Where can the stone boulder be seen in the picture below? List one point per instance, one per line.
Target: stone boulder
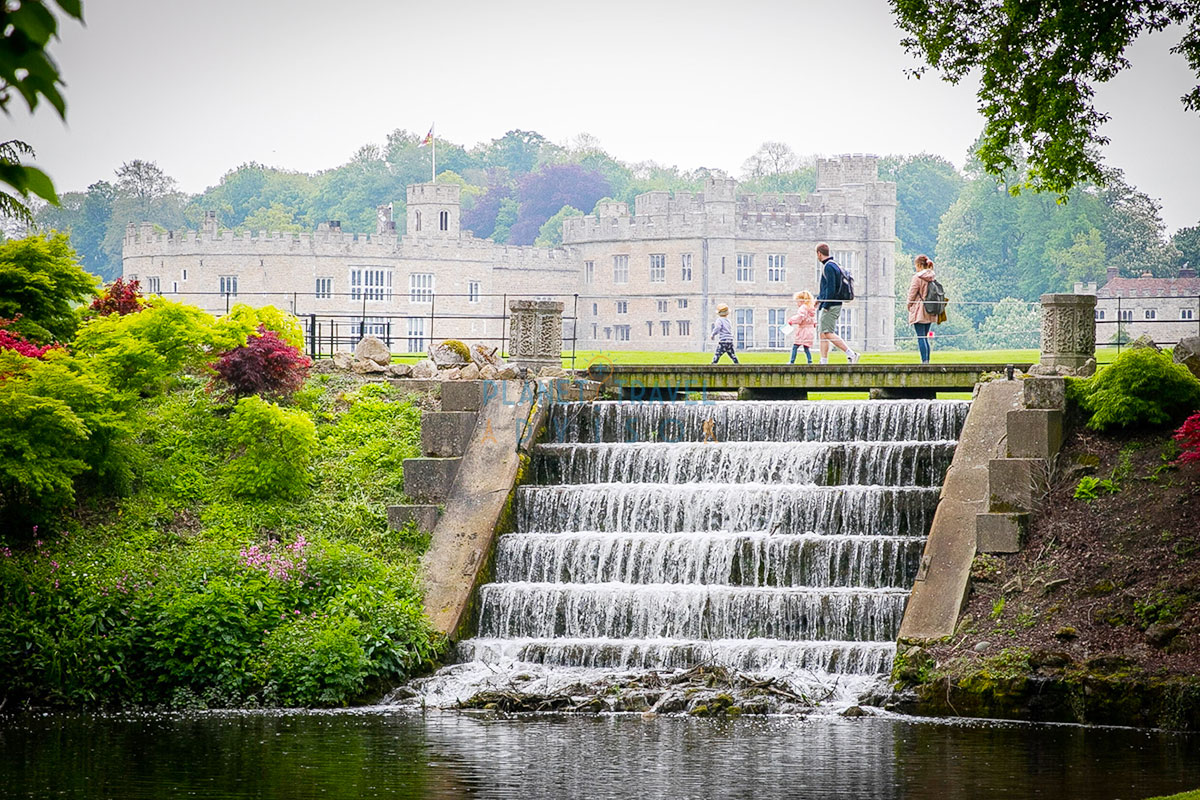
(424, 369)
(483, 355)
(488, 372)
(445, 355)
(1187, 352)
(1143, 341)
(552, 372)
(343, 360)
(399, 370)
(366, 366)
(451, 374)
(508, 373)
(469, 373)
(372, 347)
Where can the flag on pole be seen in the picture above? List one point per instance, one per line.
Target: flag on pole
(428, 138)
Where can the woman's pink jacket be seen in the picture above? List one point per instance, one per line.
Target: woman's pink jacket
(916, 298)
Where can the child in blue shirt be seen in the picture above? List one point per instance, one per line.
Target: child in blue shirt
(722, 331)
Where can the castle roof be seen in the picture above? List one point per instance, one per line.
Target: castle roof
(1150, 287)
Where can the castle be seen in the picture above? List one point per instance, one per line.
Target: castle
(649, 280)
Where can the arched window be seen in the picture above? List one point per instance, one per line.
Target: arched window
(418, 219)
(444, 220)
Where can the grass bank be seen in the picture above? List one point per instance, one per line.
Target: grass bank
(183, 594)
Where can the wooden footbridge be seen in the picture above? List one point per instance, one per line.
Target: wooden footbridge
(785, 381)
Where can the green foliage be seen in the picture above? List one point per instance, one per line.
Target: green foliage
(1090, 487)
(42, 283)
(550, 234)
(273, 450)
(1142, 388)
(57, 423)
(926, 185)
(187, 596)
(144, 352)
(1039, 65)
(233, 329)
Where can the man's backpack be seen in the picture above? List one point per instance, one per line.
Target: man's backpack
(935, 298)
(844, 291)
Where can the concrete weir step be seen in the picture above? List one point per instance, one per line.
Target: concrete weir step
(430, 479)
(445, 434)
(425, 516)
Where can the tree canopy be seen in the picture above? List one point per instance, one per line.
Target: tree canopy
(42, 283)
(1039, 64)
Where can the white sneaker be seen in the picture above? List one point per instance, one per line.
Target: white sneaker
(823, 361)
(853, 357)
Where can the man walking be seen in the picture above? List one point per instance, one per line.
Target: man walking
(830, 306)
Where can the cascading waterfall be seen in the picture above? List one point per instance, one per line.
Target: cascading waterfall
(772, 538)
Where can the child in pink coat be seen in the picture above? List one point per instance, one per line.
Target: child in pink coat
(805, 322)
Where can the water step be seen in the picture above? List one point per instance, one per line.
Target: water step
(875, 420)
(825, 463)
(755, 655)
(720, 558)
(640, 611)
(786, 508)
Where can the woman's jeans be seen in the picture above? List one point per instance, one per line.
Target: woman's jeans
(796, 349)
(922, 329)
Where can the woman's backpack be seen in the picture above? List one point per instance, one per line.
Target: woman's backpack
(935, 298)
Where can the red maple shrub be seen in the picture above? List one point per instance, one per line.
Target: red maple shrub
(265, 365)
(18, 343)
(1188, 437)
(119, 297)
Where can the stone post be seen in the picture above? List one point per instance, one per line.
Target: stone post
(535, 334)
(1068, 335)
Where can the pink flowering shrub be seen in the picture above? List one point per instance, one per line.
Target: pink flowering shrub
(18, 343)
(282, 564)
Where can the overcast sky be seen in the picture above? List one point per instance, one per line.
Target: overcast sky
(300, 84)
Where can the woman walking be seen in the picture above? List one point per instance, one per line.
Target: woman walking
(805, 323)
(918, 317)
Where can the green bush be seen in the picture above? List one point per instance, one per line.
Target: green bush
(41, 281)
(274, 449)
(56, 424)
(236, 327)
(1142, 388)
(315, 660)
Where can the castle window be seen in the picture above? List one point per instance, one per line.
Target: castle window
(154, 284)
(681, 303)
(174, 287)
(658, 267)
(666, 327)
(472, 291)
(420, 287)
(1187, 313)
(370, 284)
(417, 219)
(684, 326)
(607, 332)
(589, 271)
(1126, 315)
(620, 269)
(744, 318)
(185, 275)
(1099, 313)
(227, 283)
(776, 321)
(845, 325)
(595, 309)
(595, 329)
(416, 334)
(443, 220)
(649, 328)
(745, 267)
(373, 326)
(622, 306)
(662, 306)
(776, 271)
(1151, 313)
(685, 271)
(324, 288)
(622, 332)
(846, 259)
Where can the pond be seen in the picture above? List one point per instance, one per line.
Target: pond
(382, 752)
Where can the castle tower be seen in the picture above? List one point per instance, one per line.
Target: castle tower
(434, 210)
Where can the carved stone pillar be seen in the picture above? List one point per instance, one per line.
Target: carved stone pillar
(1068, 335)
(535, 333)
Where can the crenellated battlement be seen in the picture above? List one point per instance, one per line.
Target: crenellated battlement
(847, 169)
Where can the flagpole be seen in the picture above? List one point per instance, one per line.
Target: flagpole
(433, 152)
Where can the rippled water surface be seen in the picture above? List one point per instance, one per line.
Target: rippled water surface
(380, 753)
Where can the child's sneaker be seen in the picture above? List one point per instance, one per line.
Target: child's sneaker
(853, 357)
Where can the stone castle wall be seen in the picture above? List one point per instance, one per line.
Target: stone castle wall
(314, 273)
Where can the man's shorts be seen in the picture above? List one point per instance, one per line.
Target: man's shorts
(829, 318)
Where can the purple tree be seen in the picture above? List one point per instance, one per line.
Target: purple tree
(541, 194)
